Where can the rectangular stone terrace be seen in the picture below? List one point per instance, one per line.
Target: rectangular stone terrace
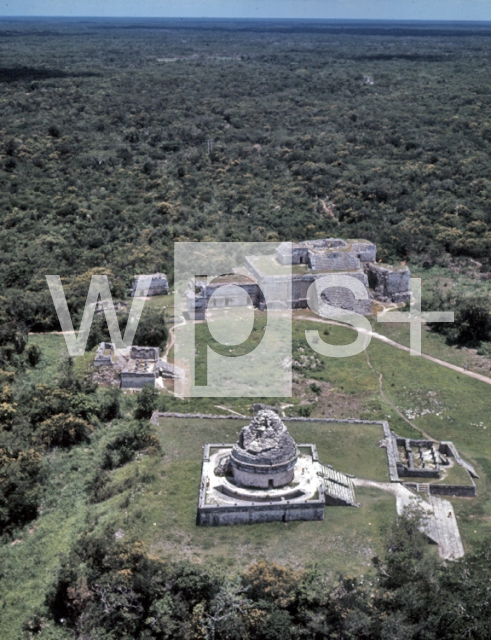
(222, 503)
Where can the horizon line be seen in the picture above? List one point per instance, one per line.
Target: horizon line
(261, 19)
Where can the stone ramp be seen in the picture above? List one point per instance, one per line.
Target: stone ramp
(437, 524)
(444, 530)
(338, 487)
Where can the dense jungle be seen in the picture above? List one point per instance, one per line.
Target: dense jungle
(120, 138)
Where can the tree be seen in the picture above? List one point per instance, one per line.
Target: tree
(132, 437)
(110, 405)
(229, 604)
(473, 321)
(33, 354)
(151, 330)
(146, 403)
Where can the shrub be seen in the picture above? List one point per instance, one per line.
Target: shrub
(54, 132)
(132, 437)
(304, 410)
(110, 405)
(33, 354)
(64, 430)
(151, 331)
(19, 489)
(315, 388)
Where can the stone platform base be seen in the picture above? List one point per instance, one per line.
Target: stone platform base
(221, 502)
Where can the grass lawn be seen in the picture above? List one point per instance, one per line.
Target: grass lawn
(454, 475)
(53, 352)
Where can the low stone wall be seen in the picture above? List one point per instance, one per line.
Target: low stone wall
(136, 380)
(465, 491)
(216, 516)
(203, 416)
(447, 447)
(462, 491)
(391, 447)
(406, 472)
(207, 416)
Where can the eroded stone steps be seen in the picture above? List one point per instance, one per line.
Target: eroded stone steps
(338, 486)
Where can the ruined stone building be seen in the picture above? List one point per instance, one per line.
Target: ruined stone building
(104, 354)
(284, 279)
(141, 368)
(137, 366)
(266, 477)
(158, 285)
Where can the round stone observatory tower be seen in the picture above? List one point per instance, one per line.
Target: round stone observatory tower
(265, 453)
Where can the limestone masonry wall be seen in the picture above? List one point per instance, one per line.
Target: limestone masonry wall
(213, 516)
(389, 285)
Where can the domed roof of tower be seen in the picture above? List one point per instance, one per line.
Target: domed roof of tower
(265, 440)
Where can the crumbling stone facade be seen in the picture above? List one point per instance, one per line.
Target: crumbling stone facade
(389, 285)
(265, 454)
(233, 290)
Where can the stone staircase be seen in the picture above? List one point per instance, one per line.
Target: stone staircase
(342, 298)
(338, 487)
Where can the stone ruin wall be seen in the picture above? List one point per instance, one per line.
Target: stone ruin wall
(366, 251)
(333, 261)
(100, 358)
(237, 299)
(144, 353)
(131, 378)
(358, 262)
(389, 285)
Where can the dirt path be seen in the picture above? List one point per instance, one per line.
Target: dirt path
(172, 339)
(382, 338)
(389, 402)
(219, 406)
